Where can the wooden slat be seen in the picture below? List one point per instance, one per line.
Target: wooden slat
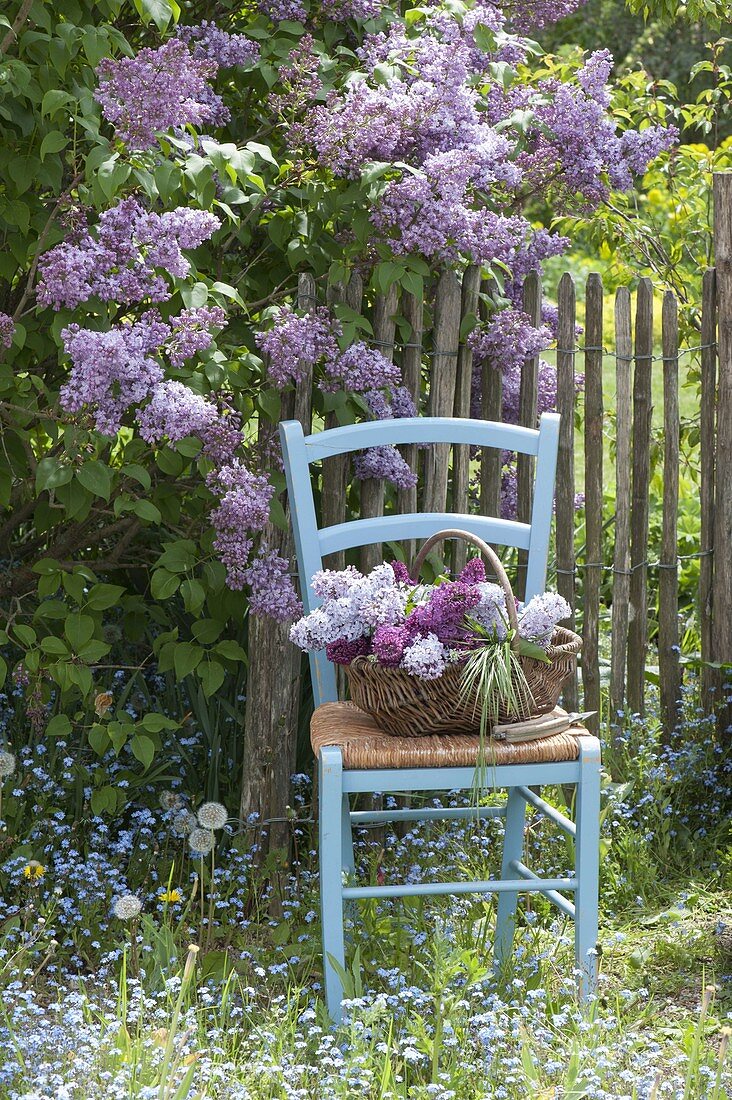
(593, 496)
(642, 412)
(491, 401)
(372, 490)
(443, 376)
(722, 576)
(413, 313)
(461, 453)
(565, 494)
(669, 668)
(707, 427)
(621, 555)
(528, 415)
(273, 679)
(335, 470)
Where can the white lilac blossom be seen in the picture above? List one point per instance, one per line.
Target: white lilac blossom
(490, 612)
(426, 657)
(7, 763)
(127, 907)
(201, 841)
(538, 618)
(212, 815)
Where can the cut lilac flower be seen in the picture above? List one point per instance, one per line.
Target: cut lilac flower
(389, 643)
(540, 616)
(426, 657)
(342, 651)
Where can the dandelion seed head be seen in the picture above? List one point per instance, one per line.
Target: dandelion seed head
(7, 763)
(201, 841)
(127, 907)
(212, 815)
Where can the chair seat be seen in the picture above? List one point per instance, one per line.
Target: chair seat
(365, 746)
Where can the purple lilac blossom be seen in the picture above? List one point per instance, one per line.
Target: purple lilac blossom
(401, 573)
(175, 412)
(445, 611)
(426, 658)
(243, 508)
(343, 651)
(300, 78)
(119, 264)
(209, 41)
(296, 342)
(281, 10)
(272, 592)
(389, 643)
(156, 90)
(526, 15)
(473, 572)
(338, 11)
(538, 618)
(114, 370)
(191, 332)
(508, 339)
(385, 463)
(7, 328)
(360, 368)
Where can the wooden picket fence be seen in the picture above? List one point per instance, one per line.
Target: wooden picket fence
(615, 657)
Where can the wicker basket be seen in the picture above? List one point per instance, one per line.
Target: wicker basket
(406, 706)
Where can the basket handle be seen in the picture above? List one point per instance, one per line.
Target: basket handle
(492, 558)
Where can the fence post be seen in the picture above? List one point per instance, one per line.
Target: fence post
(722, 585)
(463, 387)
(621, 553)
(372, 489)
(565, 514)
(273, 680)
(443, 375)
(413, 313)
(335, 470)
(669, 668)
(491, 401)
(528, 402)
(593, 497)
(707, 430)
(642, 411)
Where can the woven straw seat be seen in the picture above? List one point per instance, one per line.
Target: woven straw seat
(364, 746)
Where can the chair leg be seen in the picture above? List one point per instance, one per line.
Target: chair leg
(587, 867)
(347, 837)
(513, 847)
(331, 875)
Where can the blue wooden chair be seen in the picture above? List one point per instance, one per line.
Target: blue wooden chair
(352, 752)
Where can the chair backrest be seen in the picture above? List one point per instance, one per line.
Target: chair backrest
(313, 544)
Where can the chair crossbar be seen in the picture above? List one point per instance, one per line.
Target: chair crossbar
(490, 886)
(551, 812)
(425, 813)
(422, 429)
(488, 778)
(561, 902)
(421, 525)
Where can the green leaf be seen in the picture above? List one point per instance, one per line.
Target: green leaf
(207, 630)
(163, 584)
(159, 12)
(59, 726)
(143, 749)
(104, 800)
(81, 676)
(154, 722)
(531, 649)
(53, 142)
(211, 675)
(194, 595)
(79, 629)
(50, 474)
(186, 658)
(3, 670)
(96, 477)
(54, 647)
(26, 635)
(178, 556)
(103, 596)
(51, 102)
(147, 511)
(231, 650)
(99, 739)
(93, 651)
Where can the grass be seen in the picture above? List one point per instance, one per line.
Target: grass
(427, 1018)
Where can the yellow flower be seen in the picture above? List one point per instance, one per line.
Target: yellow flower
(170, 896)
(34, 870)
